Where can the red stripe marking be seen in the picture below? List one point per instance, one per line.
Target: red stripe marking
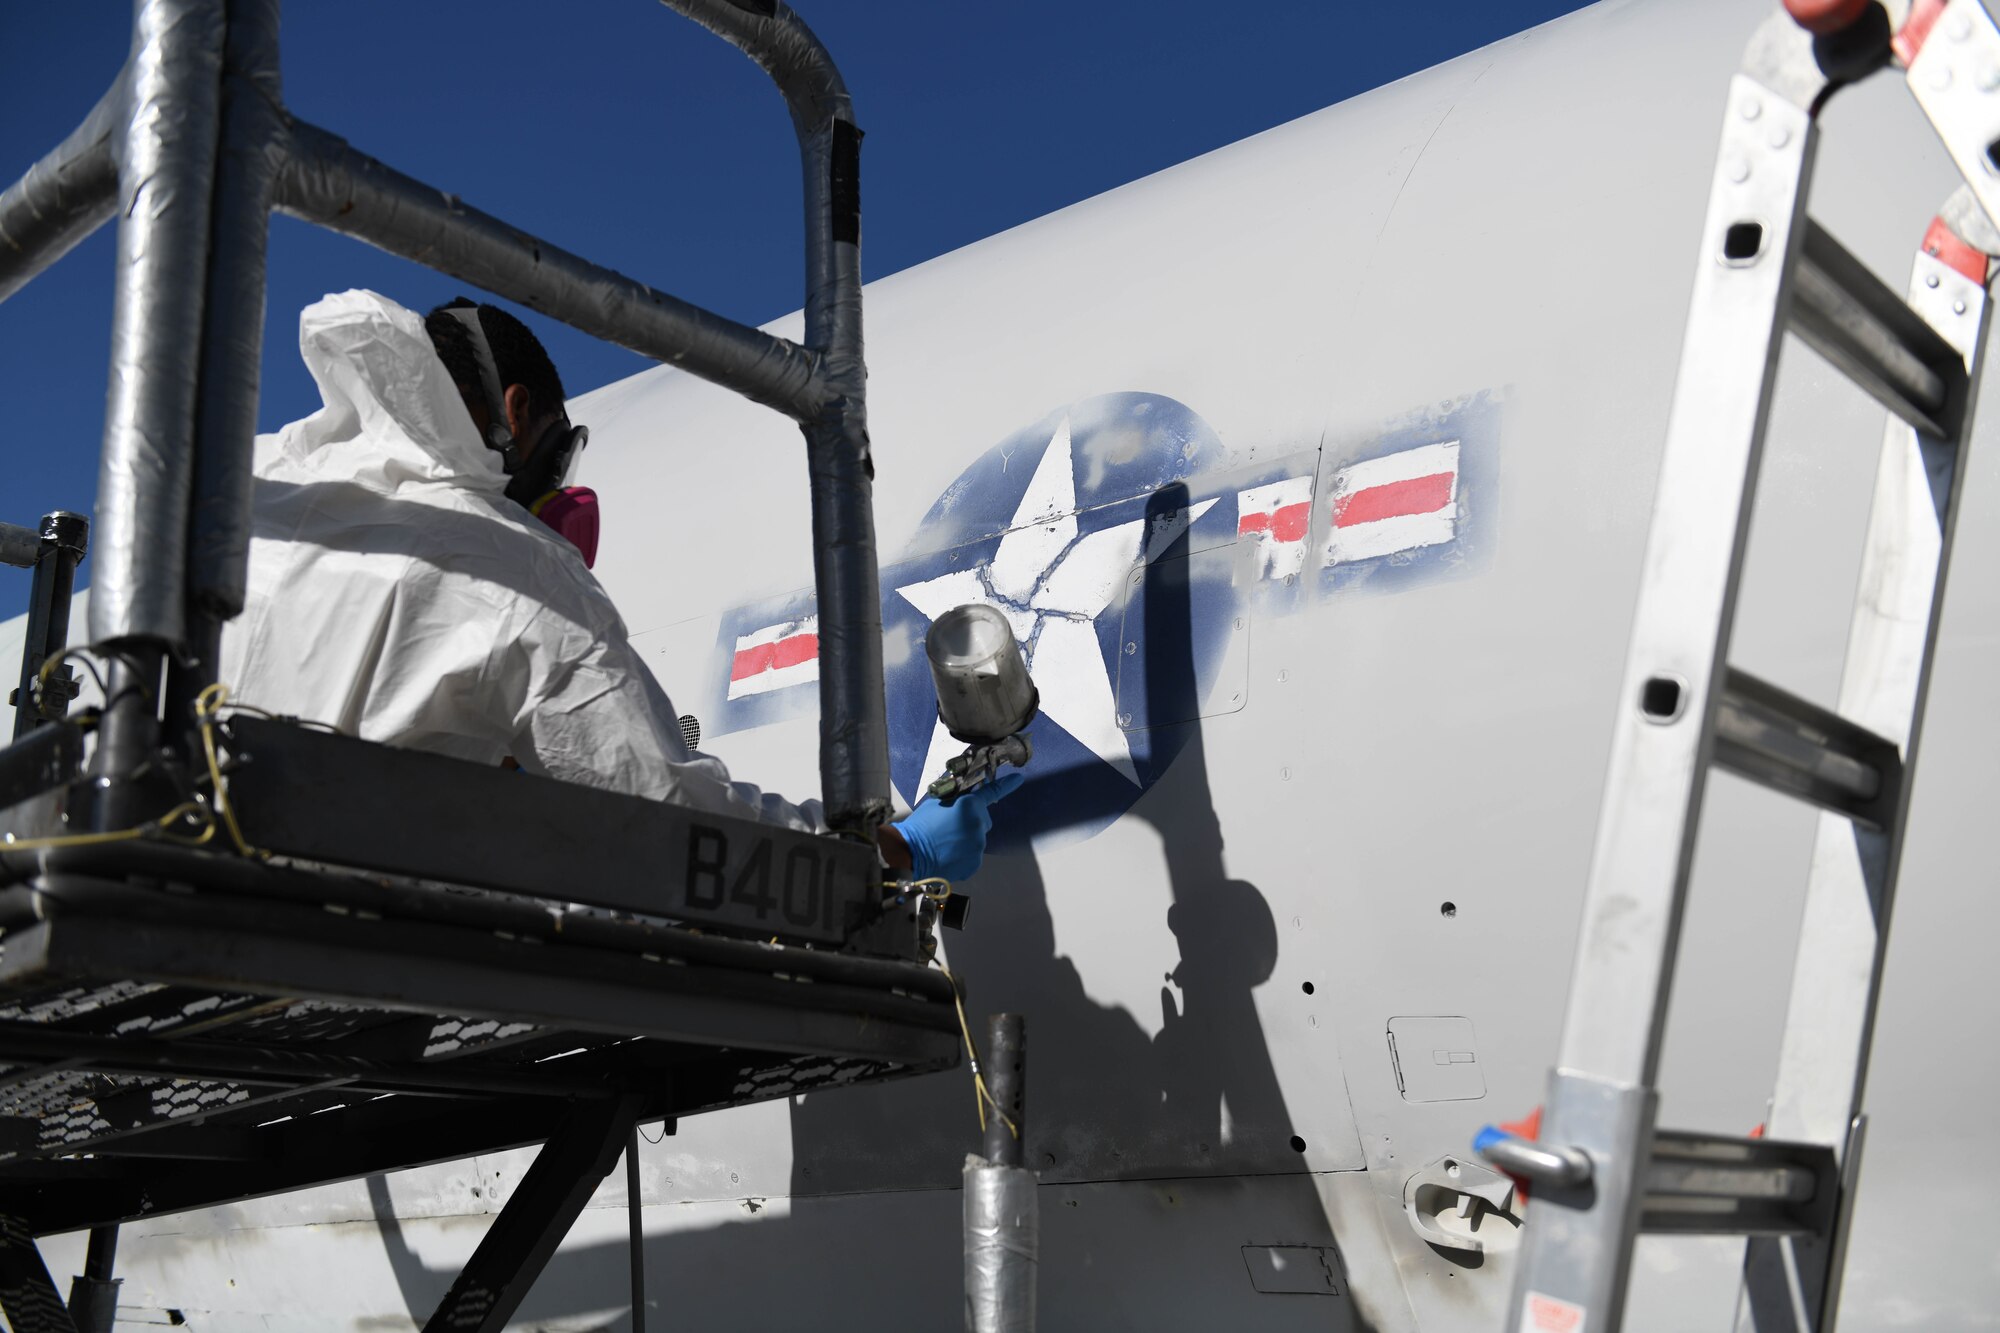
(1414, 495)
(752, 661)
(790, 652)
(774, 656)
(1288, 524)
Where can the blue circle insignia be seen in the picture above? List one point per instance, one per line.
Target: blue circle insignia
(1078, 529)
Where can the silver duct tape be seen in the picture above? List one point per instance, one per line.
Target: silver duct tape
(251, 153)
(19, 546)
(855, 777)
(854, 733)
(1002, 1240)
(62, 198)
(833, 266)
(786, 48)
(165, 185)
(327, 182)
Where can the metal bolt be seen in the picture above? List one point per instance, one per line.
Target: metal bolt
(1752, 108)
(1959, 28)
(1312, 1020)
(1930, 280)
(1941, 78)
(1290, 579)
(1131, 648)
(1124, 719)
(1284, 775)
(1239, 622)
(1958, 307)
(1283, 675)
(1739, 170)
(1780, 136)
(1988, 78)
(1237, 697)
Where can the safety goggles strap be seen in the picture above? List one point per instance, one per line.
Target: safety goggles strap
(498, 437)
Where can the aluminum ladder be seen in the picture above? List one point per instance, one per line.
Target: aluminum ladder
(1601, 1174)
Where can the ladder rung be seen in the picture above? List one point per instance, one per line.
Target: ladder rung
(1870, 333)
(1701, 1184)
(1773, 737)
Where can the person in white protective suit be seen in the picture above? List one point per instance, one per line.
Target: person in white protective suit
(397, 594)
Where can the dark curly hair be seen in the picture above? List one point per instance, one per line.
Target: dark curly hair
(517, 354)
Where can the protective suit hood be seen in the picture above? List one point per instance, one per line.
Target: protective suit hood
(397, 594)
(392, 419)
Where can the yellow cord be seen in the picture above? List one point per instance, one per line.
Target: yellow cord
(983, 1097)
(936, 888)
(207, 705)
(153, 828)
(48, 668)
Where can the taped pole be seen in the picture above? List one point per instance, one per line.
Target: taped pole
(93, 1294)
(64, 197)
(331, 184)
(853, 733)
(250, 151)
(1002, 1221)
(853, 719)
(166, 178)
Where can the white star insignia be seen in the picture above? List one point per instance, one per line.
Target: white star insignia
(1052, 585)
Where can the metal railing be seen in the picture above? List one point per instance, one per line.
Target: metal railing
(192, 148)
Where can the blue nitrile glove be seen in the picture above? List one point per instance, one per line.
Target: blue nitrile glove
(948, 841)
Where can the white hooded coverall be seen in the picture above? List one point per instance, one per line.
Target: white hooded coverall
(396, 593)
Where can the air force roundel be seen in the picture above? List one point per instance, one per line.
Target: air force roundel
(1128, 552)
(1078, 530)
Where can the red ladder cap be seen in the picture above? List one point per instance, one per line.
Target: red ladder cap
(1923, 17)
(1943, 244)
(1823, 18)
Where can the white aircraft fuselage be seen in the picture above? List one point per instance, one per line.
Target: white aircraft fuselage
(1314, 476)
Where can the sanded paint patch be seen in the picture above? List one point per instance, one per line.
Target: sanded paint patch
(1398, 502)
(775, 657)
(1276, 517)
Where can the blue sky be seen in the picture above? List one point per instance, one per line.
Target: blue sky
(632, 137)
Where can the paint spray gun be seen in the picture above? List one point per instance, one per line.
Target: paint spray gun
(986, 699)
(984, 696)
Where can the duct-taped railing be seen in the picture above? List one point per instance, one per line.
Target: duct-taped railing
(192, 148)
